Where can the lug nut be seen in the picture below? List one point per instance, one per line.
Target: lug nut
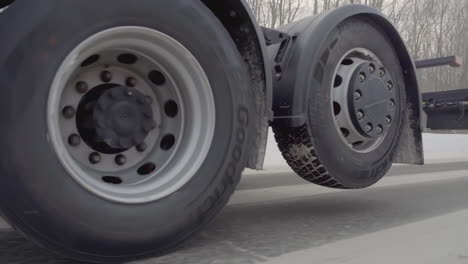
(142, 147)
(388, 120)
(106, 76)
(94, 158)
(131, 82)
(362, 77)
(390, 85)
(74, 140)
(357, 95)
(82, 87)
(120, 160)
(368, 128)
(360, 115)
(68, 112)
(392, 103)
(371, 68)
(382, 72)
(379, 130)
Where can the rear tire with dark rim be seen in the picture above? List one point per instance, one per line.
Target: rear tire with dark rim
(122, 135)
(354, 116)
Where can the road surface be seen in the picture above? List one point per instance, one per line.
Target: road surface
(415, 215)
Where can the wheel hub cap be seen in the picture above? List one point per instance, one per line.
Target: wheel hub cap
(113, 118)
(370, 99)
(122, 117)
(364, 100)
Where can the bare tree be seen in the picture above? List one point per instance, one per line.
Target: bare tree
(396, 11)
(276, 13)
(316, 7)
(284, 11)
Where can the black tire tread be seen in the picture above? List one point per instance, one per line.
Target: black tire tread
(298, 150)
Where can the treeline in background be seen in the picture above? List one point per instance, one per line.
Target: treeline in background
(430, 28)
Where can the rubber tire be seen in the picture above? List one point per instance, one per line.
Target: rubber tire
(47, 205)
(4, 3)
(315, 151)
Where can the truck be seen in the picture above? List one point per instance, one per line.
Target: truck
(126, 125)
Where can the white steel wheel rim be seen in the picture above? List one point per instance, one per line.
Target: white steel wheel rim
(189, 86)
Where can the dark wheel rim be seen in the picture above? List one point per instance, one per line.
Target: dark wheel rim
(363, 100)
(131, 114)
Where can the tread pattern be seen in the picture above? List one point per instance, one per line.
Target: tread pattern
(298, 150)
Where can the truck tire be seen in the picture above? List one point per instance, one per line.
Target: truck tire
(355, 115)
(4, 3)
(124, 125)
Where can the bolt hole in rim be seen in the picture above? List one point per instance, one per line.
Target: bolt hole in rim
(154, 115)
(338, 81)
(358, 136)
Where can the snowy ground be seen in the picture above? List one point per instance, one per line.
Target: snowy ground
(437, 148)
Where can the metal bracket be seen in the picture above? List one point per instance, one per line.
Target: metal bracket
(452, 61)
(273, 36)
(283, 40)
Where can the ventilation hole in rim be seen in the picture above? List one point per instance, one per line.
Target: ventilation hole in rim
(112, 180)
(146, 169)
(167, 142)
(127, 58)
(171, 108)
(90, 60)
(358, 143)
(338, 81)
(347, 62)
(345, 132)
(336, 108)
(157, 77)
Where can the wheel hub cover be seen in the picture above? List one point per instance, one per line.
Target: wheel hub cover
(372, 100)
(123, 117)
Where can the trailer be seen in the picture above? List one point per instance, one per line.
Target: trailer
(126, 125)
